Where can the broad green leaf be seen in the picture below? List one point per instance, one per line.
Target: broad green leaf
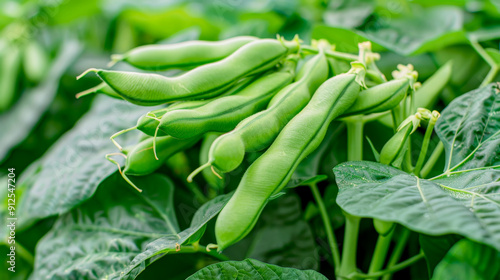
(424, 30)
(348, 13)
(469, 128)
(435, 248)
(465, 203)
(284, 238)
(469, 260)
(73, 167)
(102, 236)
(25, 114)
(167, 244)
(119, 232)
(252, 269)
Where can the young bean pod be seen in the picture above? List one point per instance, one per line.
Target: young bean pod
(185, 55)
(271, 172)
(140, 159)
(259, 130)
(379, 98)
(205, 81)
(223, 114)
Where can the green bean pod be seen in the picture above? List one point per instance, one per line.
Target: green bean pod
(140, 159)
(185, 55)
(150, 121)
(210, 177)
(379, 98)
(203, 82)
(395, 147)
(271, 172)
(223, 114)
(259, 130)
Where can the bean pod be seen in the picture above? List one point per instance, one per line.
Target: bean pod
(223, 114)
(259, 130)
(271, 172)
(185, 55)
(205, 81)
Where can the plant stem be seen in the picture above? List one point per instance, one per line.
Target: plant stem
(397, 252)
(354, 152)
(425, 146)
(195, 189)
(196, 248)
(391, 270)
(491, 62)
(355, 138)
(329, 53)
(380, 253)
(432, 160)
(348, 264)
(328, 226)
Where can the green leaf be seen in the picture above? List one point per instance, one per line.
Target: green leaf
(167, 244)
(465, 203)
(102, 236)
(348, 13)
(422, 31)
(73, 167)
(469, 128)
(435, 248)
(253, 269)
(26, 113)
(284, 238)
(469, 260)
(118, 232)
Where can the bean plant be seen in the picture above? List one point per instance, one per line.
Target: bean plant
(249, 157)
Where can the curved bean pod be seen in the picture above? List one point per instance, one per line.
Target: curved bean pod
(259, 130)
(224, 113)
(150, 121)
(140, 159)
(185, 55)
(271, 172)
(379, 98)
(205, 81)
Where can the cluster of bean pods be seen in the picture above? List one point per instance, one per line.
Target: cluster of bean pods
(245, 94)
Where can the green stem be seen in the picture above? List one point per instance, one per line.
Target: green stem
(24, 253)
(491, 62)
(380, 253)
(391, 270)
(354, 152)
(425, 146)
(432, 160)
(195, 248)
(348, 263)
(329, 53)
(328, 226)
(397, 252)
(355, 138)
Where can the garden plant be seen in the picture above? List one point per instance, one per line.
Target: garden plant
(342, 140)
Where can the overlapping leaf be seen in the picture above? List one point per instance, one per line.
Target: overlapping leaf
(469, 260)
(465, 203)
(117, 233)
(73, 168)
(251, 269)
(470, 129)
